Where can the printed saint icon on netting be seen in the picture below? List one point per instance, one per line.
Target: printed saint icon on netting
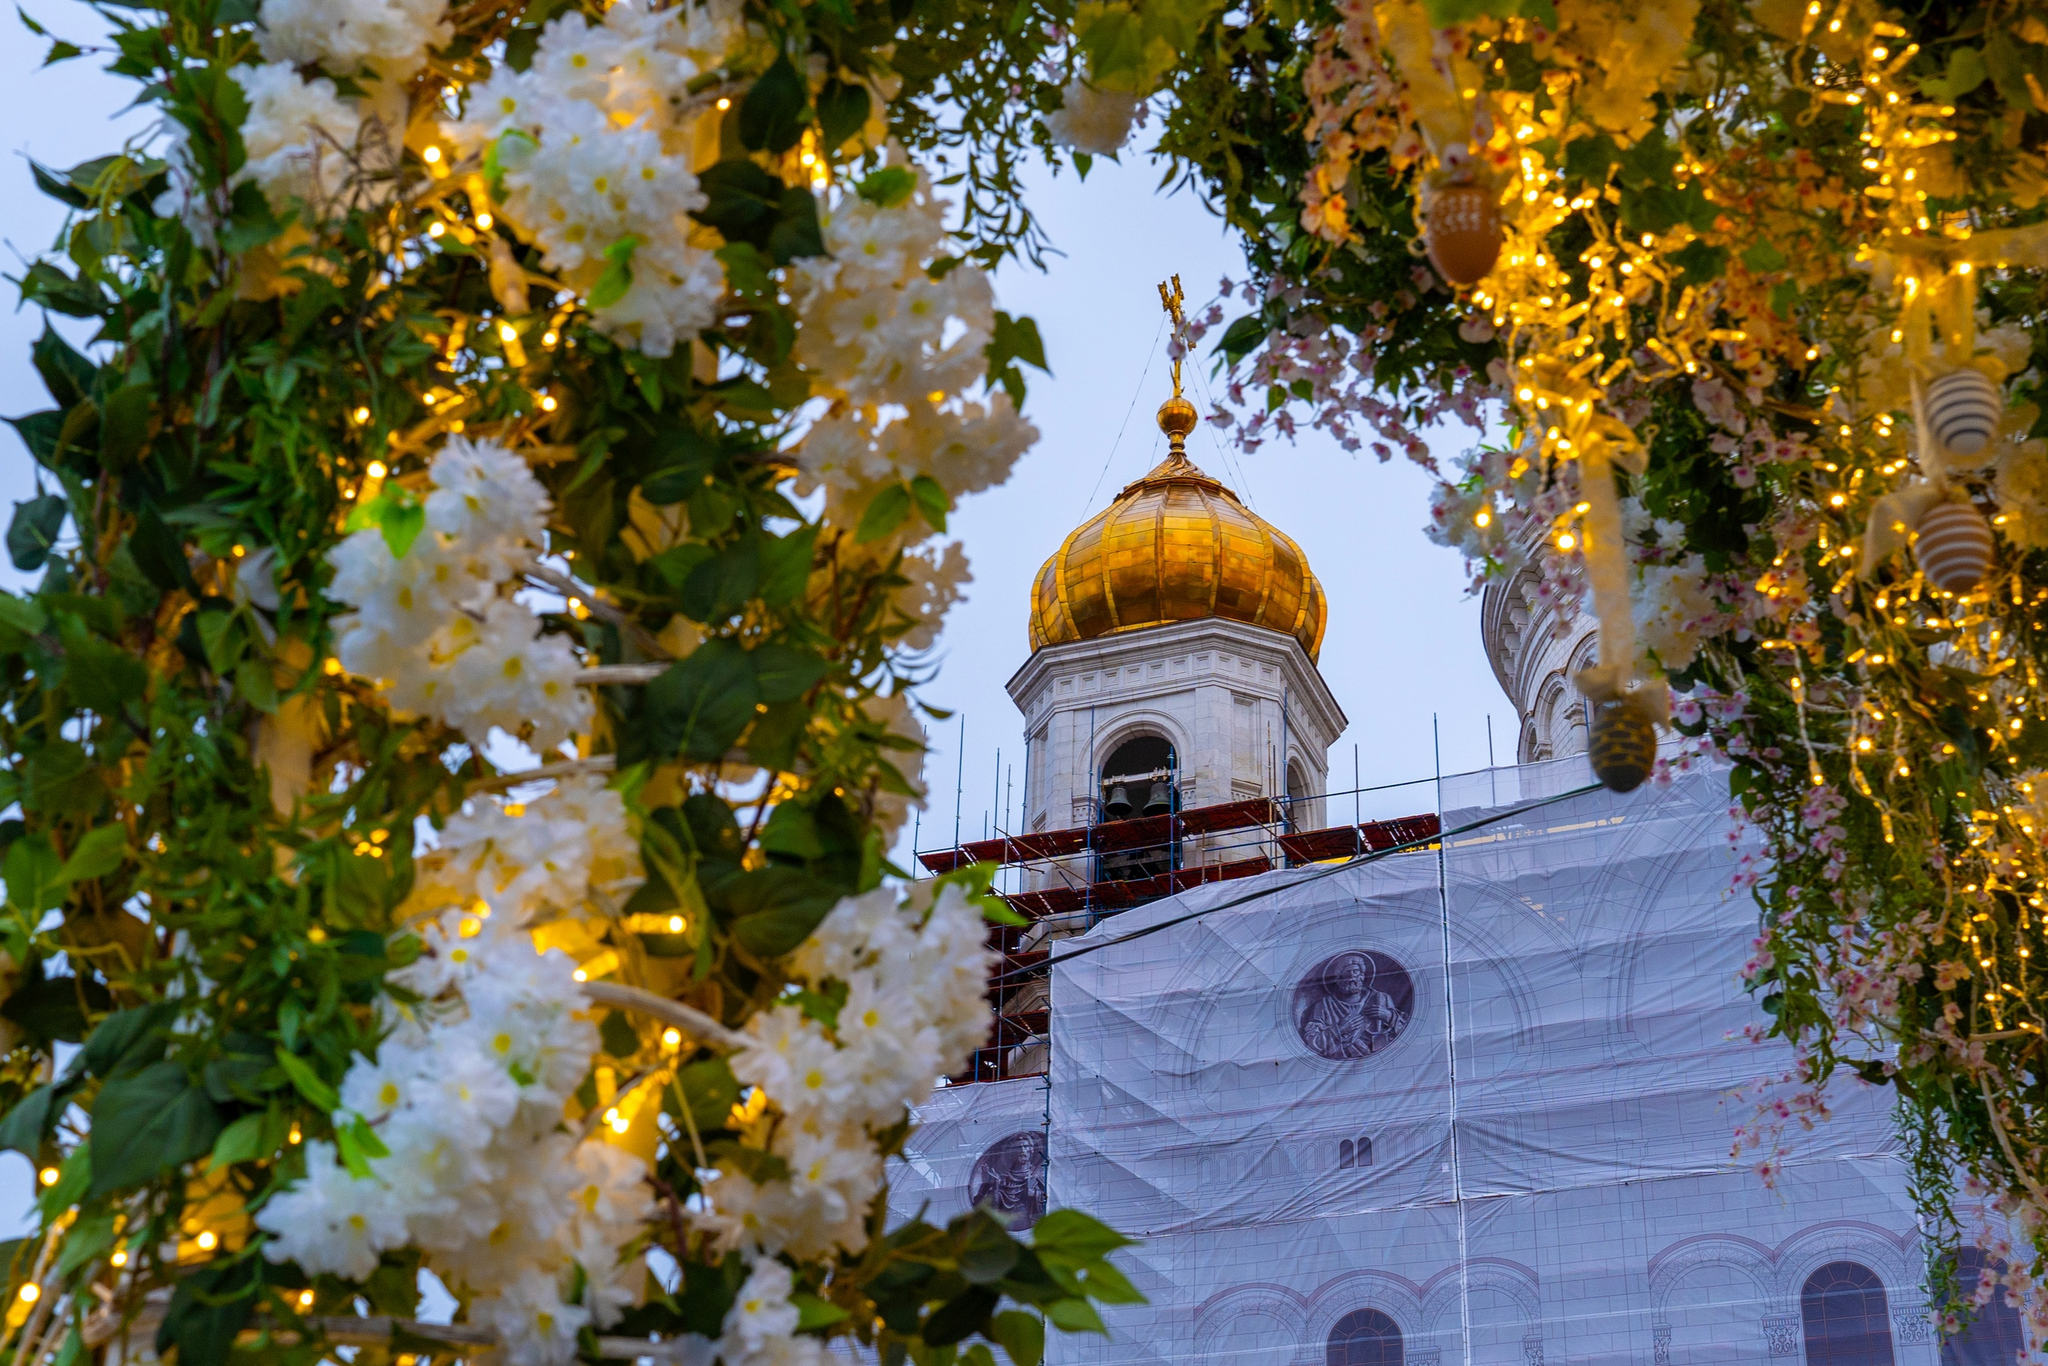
(1353, 1004)
(1009, 1177)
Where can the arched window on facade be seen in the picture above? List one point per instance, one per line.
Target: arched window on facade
(1346, 1154)
(1992, 1337)
(1365, 1337)
(1846, 1317)
(1139, 778)
(1364, 1151)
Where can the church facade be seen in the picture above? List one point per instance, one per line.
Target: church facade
(1471, 1101)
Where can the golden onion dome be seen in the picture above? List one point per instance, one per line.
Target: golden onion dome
(1175, 546)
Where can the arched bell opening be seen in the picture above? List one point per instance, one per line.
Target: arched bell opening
(1141, 777)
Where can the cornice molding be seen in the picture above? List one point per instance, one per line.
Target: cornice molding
(1308, 695)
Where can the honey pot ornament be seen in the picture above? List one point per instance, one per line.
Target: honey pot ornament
(1463, 231)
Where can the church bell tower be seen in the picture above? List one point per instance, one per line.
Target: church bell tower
(1173, 660)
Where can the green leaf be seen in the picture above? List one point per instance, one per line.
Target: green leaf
(1699, 263)
(700, 705)
(1965, 72)
(775, 110)
(933, 503)
(792, 832)
(318, 1093)
(1016, 339)
(842, 111)
(1104, 1282)
(1074, 1316)
(49, 1007)
(1020, 1335)
(22, 614)
(773, 738)
(1070, 1234)
(812, 1312)
(888, 187)
(888, 511)
(401, 520)
(742, 200)
(514, 145)
(48, 287)
(57, 186)
(103, 849)
(796, 233)
(34, 876)
(988, 1253)
(745, 271)
(61, 780)
(100, 674)
(27, 1122)
(355, 1143)
(66, 374)
(617, 1034)
(250, 221)
(34, 529)
(710, 1090)
(1762, 257)
(965, 1314)
(723, 584)
(786, 565)
(784, 673)
(124, 425)
(208, 1310)
(146, 1122)
(159, 553)
(774, 909)
(241, 1141)
(617, 278)
(125, 1041)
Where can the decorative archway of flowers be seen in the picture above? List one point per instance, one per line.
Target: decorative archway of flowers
(486, 548)
(597, 379)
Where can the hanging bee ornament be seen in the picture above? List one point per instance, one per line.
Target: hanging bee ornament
(1963, 408)
(1954, 546)
(1621, 744)
(1463, 234)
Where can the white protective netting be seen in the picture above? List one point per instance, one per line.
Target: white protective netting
(1467, 1105)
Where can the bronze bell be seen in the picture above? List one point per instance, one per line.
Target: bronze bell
(1621, 745)
(1160, 800)
(1118, 807)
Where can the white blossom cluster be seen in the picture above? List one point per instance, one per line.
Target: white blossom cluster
(535, 861)
(306, 142)
(1091, 121)
(598, 138)
(468, 1094)
(896, 349)
(914, 980)
(438, 628)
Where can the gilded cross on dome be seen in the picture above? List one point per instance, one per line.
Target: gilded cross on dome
(1176, 415)
(1171, 300)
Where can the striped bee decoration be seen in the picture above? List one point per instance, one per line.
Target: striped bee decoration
(1963, 408)
(1621, 745)
(1954, 547)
